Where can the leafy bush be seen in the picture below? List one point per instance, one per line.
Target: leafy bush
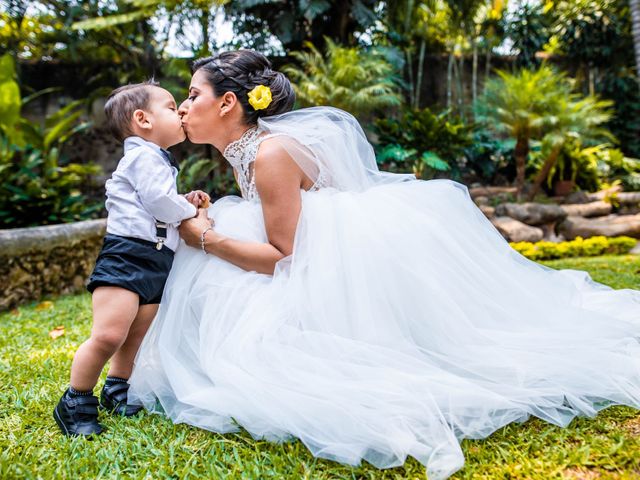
(423, 142)
(579, 247)
(489, 158)
(36, 185)
(209, 175)
(614, 165)
(352, 79)
(591, 167)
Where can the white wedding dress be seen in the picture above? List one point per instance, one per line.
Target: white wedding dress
(402, 323)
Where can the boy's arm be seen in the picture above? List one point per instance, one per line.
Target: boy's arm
(156, 189)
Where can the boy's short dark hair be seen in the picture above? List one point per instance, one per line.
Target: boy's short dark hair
(122, 102)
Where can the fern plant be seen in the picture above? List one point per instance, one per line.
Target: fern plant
(37, 185)
(352, 79)
(521, 106)
(422, 142)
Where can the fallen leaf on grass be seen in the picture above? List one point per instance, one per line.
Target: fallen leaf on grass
(44, 305)
(57, 332)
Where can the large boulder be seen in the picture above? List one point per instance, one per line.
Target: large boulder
(515, 231)
(577, 197)
(592, 209)
(488, 211)
(531, 213)
(627, 198)
(480, 191)
(609, 226)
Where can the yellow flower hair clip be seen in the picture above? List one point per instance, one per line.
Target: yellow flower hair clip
(260, 97)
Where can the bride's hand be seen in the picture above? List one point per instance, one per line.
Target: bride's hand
(191, 230)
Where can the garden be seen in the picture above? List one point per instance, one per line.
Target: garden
(534, 105)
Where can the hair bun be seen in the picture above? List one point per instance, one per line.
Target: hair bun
(242, 70)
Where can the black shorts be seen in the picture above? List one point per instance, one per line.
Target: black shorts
(133, 264)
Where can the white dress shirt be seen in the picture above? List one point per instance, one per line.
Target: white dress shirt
(143, 189)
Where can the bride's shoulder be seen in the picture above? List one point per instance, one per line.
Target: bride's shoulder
(271, 147)
(273, 158)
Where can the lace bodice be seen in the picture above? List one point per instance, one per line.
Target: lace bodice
(242, 153)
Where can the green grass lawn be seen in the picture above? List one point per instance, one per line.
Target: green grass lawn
(34, 371)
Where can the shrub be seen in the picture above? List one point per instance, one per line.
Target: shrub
(356, 80)
(37, 186)
(423, 142)
(206, 174)
(579, 247)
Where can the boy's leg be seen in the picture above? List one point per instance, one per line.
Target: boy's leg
(114, 310)
(122, 361)
(114, 396)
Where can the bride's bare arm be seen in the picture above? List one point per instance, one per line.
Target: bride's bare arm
(278, 181)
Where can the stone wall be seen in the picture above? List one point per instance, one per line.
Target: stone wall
(47, 260)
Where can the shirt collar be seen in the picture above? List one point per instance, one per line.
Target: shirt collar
(132, 142)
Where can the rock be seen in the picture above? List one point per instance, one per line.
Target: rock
(628, 209)
(531, 213)
(47, 260)
(577, 197)
(602, 194)
(491, 191)
(515, 231)
(628, 198)
(592, 209)
(482, 200)
(549, 233)
(488, 211)
(609, 226)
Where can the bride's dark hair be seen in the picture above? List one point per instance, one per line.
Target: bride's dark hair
(239, 71)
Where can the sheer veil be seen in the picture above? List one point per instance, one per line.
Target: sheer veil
(329, 143)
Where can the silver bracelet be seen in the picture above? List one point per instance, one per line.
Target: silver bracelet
(204, 232)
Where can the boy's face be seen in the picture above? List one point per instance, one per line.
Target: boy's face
(166, 123)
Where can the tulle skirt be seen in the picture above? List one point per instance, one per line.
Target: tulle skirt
(402, 323)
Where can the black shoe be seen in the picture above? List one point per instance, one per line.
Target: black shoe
(114, 399)
(77, 415)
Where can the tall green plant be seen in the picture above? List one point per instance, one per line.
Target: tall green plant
(522, 105)
(578, 120)
(295, 22)
(352, 79)
(634, 5)
(422, 142)
(36, 185)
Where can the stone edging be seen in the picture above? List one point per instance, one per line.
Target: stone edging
(47, 260)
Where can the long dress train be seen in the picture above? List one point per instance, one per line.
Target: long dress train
(402, 323)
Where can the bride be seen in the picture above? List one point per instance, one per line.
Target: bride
(370, 315)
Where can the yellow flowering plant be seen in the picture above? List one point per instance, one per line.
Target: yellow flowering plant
(260, 97)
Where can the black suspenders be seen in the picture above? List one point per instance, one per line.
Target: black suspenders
(161, 227)
(161, 234)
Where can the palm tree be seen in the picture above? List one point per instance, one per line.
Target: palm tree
(578, 120)
(521, 105)
(634, 5)
(348, 78)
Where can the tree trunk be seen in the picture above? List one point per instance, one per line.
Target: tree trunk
(474, 72)
(521, 154)
(204, 26)
(460, 77)
(423, 47)
(449, 79)
(407, 33)
(635, 26)
(548, 164)
(487, 64)
(411, 82)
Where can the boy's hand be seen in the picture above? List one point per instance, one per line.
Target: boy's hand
(198, 198)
